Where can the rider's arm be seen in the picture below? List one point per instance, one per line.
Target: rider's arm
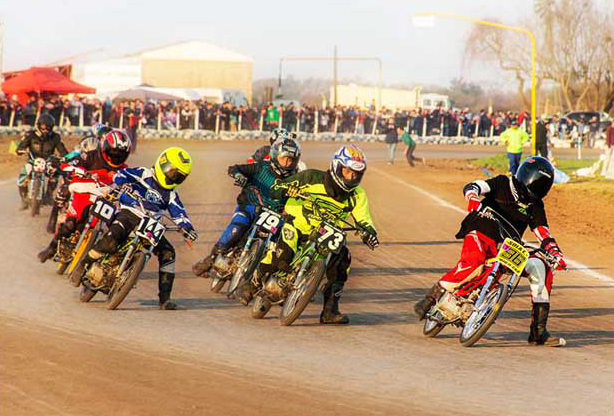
(539, 226)
(178, 213)
(248, 170)
(302, 179)
(128, 176)
(473, 190)
(361, 211)
(59, 145)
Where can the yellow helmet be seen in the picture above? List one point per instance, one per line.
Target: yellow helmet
(172, 167)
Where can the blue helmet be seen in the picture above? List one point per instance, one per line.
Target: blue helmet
(350, 157)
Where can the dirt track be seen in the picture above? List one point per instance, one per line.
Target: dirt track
(63, 357)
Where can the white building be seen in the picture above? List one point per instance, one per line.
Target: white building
(191, 64)
(431, 101)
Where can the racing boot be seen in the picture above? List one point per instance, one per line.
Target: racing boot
(249, 289)
(330, 312)
(422, 307)
(202, 267)
(539, 335)
(23, 193)
(48, 252)
(165, 286)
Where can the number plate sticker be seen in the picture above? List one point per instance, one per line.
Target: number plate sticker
(513, 255)
(104, 210)
(330, 237)
(269, 220)
(150, 229)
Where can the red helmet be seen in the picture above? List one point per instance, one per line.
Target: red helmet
(115, 147)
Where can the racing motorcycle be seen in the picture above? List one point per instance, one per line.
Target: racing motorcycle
(294, 290)
(39, 171)
(239, 263)
(475, 305)
(117, 273)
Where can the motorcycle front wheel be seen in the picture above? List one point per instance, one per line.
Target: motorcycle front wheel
(247, 265)
(432, 327)
(75, 269)
(217, 282)
(124, 283)
(298, 299)
(260, 307)
(481, 320)
(35, 203)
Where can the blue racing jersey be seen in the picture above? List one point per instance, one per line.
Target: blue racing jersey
(155, 198)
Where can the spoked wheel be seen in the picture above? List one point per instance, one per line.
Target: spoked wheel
(432, 327)
(217, 282)
(245, 268)
(260, 307)
(86, 294)
(298, 299)
(75, 269)
(481, 319)
(124, 283)
(35, 203)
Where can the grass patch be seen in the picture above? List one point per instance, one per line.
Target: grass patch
(500, 164)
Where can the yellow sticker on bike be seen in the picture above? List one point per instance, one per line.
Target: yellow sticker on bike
(513, 256)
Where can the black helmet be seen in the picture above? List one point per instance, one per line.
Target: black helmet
(278, 134)
(46, 120)
(288, 147)
(535, 177)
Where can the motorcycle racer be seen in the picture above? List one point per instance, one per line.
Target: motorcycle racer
(339, 188)
(102, 162)
(262, 153)
(517, 200)
(256, 180)
(42, 142)
(157, 187)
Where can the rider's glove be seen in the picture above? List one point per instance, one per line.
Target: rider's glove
(293, 191)
(79, 171)
(553, 249)
(20, 152)
(473, 203)
(190, 234)
(240, 180)
(369, 237)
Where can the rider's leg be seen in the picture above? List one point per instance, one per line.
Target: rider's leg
(274, 260)
(337, 274)
(541, 278)
(166, 273)
(239, 224)
(117, 234)
(476, 249)
(22, 185)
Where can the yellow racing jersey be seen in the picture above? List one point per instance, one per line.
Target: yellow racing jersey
(320, 186)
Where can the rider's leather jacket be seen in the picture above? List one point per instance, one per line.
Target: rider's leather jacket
(42, 145)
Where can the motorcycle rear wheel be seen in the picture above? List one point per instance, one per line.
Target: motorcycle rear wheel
(260, 307)
(119, 291)
(298, 299)
(86, 294)
(480, 321)
(431, 327)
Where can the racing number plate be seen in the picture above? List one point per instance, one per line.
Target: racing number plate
(269, 220)
(150, 229)
(330, 237)
(513, 255)
(104, 210)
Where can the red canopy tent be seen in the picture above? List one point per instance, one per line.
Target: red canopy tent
(42, 80)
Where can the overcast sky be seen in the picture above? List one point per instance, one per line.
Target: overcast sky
(40, 32)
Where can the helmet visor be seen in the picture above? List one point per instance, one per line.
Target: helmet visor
(351, 177)
(117, 156)
(173, 175)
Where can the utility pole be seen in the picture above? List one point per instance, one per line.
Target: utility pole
(335, 76)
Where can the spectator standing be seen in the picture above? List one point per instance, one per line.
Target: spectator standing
(609, 150)
(411, 145)
(513, 138)
(272, 117)
(29, 112)
(391, 140)
(541, 138)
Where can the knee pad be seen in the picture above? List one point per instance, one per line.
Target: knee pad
(537, 274)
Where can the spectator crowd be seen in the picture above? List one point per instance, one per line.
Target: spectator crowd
(171, 115)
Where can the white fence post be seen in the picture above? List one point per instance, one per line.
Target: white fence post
(458, 131)
(316, 125)
(81, 107)
(336, 123)
(197, 119)
(121, 116)
(261, 120)
(217, 123)
(441, 129)
(159, 119)
(356, 126)
(423, 126)
(240, 121)
(374, 125)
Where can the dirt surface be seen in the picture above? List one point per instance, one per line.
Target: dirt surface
(59, 356)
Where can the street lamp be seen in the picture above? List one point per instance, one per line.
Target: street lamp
(428, 20)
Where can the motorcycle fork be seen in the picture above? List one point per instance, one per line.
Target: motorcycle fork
(489, 282)
(127, 256)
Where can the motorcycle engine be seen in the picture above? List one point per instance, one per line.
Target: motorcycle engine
(449, 306)
(272, 287)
